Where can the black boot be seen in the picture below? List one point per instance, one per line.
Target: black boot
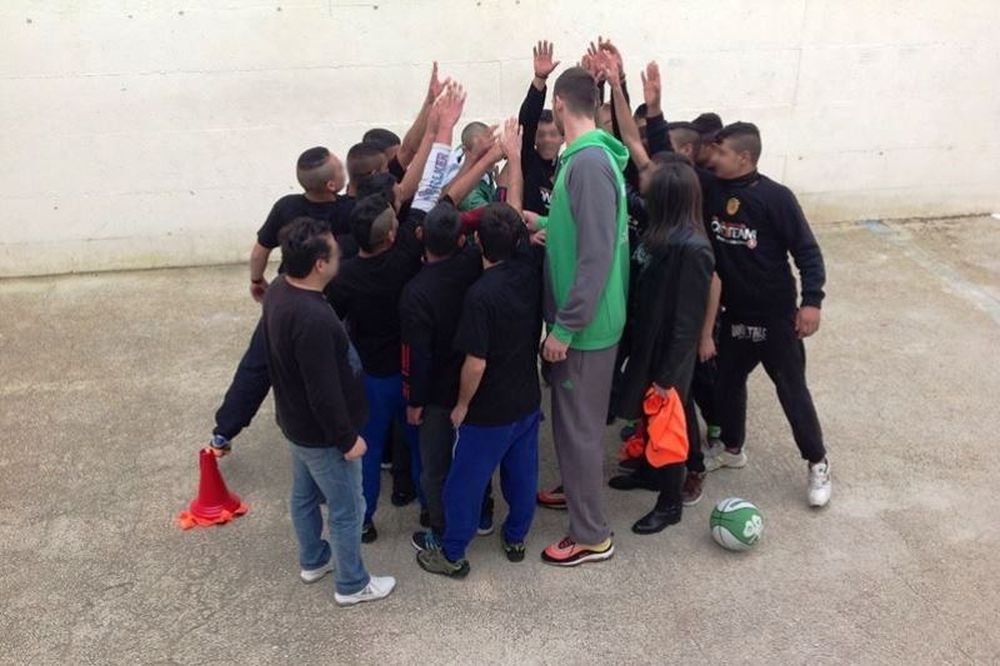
(632, 482)
(658, 519)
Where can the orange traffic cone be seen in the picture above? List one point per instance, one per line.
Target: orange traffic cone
(214, 504)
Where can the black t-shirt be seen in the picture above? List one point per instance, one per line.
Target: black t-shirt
(336, 213)
(319, 393)
(429, 309)
(539, 174)
(754, 223)
(501, 322)
(366, 294)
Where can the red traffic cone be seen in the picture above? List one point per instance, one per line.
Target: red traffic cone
(214, 504)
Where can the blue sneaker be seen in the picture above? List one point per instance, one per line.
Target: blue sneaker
(425, 540)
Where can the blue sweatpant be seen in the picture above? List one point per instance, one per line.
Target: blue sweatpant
(385, 404)
(478, 451)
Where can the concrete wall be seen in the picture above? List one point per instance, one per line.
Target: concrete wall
(142, 133)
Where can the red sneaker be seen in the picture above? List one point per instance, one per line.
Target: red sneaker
(552, 499)
(693, 489)
(567, 553)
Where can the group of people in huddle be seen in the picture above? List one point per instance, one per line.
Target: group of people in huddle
(637, 268)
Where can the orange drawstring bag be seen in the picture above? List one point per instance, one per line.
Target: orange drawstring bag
(666, 428)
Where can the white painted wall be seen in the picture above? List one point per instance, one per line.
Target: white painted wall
(141, 133)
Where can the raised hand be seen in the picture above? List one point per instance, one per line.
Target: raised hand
(606, 46)
(609, 68)
(510, 139)
(435, 87)
(544, 64)
(591, 62)
(450, 104)
(652, 89)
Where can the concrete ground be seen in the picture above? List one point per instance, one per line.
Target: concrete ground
(109, 383)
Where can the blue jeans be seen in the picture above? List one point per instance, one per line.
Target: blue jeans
(319, 473)
(477, 453)
(385, 404)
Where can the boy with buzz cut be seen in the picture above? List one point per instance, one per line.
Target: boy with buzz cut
(497, 411)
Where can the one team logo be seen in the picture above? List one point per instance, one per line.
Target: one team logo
(734, 233)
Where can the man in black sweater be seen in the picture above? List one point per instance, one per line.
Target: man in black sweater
(542, 139)
(755, 224)
(320, 406)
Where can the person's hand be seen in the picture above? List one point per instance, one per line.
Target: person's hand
(449, 105)
(544, 64)
(652, 88)
(538, 238)
(414, 415)
(554, 350)
(358, 450)
(510, 140)
(435, 86)
(612, 50)
(258, 289)
(807, 320)
(706, 349)
(458, 415)
(609, 68)
(531, 220)
(590, 62)
(660, 391)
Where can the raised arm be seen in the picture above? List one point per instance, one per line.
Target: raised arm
(630, 132)
(657, 135)
(510, 142)
(451, 104)
(414, 136)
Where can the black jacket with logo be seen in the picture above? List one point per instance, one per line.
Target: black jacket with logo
(754, 224)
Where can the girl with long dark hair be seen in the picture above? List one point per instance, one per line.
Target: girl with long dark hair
(671, 273)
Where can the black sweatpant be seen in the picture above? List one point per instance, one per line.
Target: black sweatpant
(437, 444)
(743, 344)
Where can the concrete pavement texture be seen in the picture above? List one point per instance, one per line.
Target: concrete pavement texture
(109, 385)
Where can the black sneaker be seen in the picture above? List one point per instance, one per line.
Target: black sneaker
(434, 561)
(368, 533)
(402, 497)
(658, 520)
(425, 540)
(514, 551)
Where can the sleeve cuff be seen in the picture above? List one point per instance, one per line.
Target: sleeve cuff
(812, 302)
(562, 334)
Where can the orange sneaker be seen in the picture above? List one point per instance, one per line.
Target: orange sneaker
(552, 499)
(567, 553)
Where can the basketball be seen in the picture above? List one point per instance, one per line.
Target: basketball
(736, 524)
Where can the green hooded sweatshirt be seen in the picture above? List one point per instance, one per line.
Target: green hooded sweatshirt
(586, 249)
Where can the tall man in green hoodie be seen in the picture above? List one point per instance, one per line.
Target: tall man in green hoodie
(586, 283)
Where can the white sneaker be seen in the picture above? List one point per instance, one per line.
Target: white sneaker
(313, 575)
(820, 484)
(718, 457)
(379, 587)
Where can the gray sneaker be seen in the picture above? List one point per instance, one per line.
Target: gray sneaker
(379, 587)
(718, 456)
(434, 561)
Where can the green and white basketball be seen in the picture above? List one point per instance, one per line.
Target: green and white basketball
(736, 524)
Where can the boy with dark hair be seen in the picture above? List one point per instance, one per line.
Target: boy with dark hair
(542, 138)
(321, 175)
(755, 224)
(497, 411)
(387, 141)
(320, 405)
(707, 124)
